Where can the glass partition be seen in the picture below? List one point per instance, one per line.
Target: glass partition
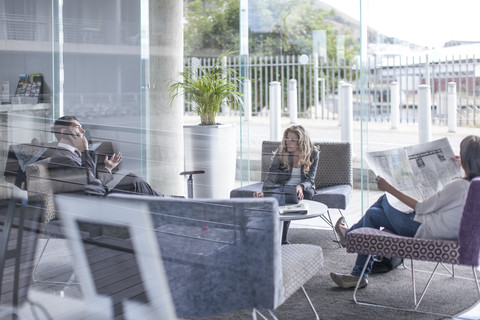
(94, 60)
(86, 57)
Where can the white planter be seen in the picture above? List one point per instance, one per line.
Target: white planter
(213, 149)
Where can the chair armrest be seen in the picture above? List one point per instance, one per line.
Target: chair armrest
(334, 197)
(246, 191)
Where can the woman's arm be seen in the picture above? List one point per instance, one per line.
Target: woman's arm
(309, 181)
(387, 187)
(274, 172)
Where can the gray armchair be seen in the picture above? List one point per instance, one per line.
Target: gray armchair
(333, 182)
(210, 252)
(41, 186)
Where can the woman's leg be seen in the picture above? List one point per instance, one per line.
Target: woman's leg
(375, 218)
(382, 214)
(307, 195)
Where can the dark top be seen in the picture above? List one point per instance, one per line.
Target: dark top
(278, 175)
(73, 173)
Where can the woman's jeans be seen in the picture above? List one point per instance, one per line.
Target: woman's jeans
(382, 214)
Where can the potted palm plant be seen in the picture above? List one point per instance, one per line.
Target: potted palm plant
(210, 146)
(208, 89)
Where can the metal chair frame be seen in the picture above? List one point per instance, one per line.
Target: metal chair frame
(274, 317)
(416, 301)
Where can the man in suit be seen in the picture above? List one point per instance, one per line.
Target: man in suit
(74, 167)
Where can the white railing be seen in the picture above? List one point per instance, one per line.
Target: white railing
(373, 104)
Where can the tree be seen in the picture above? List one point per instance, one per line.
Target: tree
(276, 27)
(211, 27)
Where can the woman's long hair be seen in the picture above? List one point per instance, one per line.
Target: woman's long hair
(305, 147)
(470, 156)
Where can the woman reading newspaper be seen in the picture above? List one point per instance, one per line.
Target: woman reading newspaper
(437, 217)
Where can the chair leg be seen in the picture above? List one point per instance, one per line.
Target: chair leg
(450, 272)
(274, 317)
(34, 272)
(310, 302)
(476, 280)
(427, 285)
(255, 312)
(414, 291)
(329, 222)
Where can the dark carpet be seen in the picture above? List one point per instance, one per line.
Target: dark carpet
(446, 295)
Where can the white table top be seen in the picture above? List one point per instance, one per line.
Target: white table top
(315, 209)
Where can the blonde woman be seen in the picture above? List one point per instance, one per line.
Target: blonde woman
(294, 165)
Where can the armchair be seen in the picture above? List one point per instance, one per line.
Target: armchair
(333, 181)
(18, 239)
(209, 251)
(465, 251)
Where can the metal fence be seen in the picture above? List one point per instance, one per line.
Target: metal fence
(373, 102)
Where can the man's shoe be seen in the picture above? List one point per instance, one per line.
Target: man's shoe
(340, 235)
(347, 280)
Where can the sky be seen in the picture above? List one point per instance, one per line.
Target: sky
(424, 22)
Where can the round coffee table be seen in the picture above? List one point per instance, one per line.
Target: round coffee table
(315, 209)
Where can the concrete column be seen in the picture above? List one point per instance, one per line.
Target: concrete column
(452, 107)
(275, 110)
(315, 88)
(339, 111)
(247, 99)
(424, 113)
(395, 104)
(346, 105)
(164, 123)
(292, 100)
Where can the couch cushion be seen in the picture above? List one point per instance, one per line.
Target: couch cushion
(336, 197)
(246, 191)
(300, 262)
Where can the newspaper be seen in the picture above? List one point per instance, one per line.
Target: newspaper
(300, 208)
(418, 171)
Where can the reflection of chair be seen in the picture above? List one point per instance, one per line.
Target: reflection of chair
(210, 252)
(19, 232)
(41, 187)
(333, 182)
(465, 251)
(138, 222)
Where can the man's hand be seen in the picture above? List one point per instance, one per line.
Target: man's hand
(83, 143)
(113, 161)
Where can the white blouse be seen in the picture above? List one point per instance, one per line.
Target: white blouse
(295, 178)
(441, 213)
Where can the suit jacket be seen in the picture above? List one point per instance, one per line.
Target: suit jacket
(278, 175)
(72, 173)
